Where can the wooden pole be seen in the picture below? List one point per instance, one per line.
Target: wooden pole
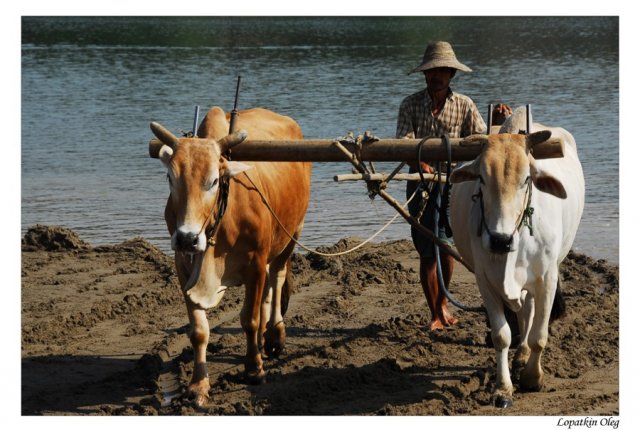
(383, 177)
(381, 150)
(422, 229)
(445, 247)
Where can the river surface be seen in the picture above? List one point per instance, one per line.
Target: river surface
(91, 85)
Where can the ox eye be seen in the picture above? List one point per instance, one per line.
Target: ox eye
(212, 184)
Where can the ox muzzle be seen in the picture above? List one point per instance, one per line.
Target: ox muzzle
(188, 241)
(500, 243)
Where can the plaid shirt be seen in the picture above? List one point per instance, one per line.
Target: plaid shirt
(459, 117)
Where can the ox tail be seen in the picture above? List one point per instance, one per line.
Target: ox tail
(288, 289)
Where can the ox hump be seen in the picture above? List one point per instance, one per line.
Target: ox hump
(214, 125)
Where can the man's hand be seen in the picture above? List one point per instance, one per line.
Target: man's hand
(500, 113)
(426, 168)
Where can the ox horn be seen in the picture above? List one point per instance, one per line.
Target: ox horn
(232, 140)
(474, 139)
(164, 135)
(538, 137)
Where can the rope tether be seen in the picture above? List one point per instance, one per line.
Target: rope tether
(441, 206)
(301, 245)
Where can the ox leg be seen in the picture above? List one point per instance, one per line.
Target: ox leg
(198, 389)
(525, 321)
(531, 377)
(250, 320)
(501, 337)
(276, 334)
(265, 311)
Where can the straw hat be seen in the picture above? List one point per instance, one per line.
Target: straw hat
(440, 54)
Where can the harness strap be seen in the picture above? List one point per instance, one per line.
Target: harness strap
(444, 219)
(478, 197)
(221, 205)
(526, 217)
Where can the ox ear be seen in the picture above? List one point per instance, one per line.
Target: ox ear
(234, 168)
(538, 137)
(548, 183)
(464, 173)
(165, 155)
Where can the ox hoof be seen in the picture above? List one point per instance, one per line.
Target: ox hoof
(274, 340)
(532, 388)
(502, 402)
(201, 401)
(198, 397)
(531, 381)
(256, 377)
(273, 350)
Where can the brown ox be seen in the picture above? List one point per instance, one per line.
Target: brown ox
(248, 247)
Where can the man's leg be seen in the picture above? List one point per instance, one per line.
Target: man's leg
(436, 300)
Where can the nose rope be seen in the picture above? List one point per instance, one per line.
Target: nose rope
(525, 218)
(221, 200)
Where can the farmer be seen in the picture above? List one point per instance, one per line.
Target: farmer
(431, 113)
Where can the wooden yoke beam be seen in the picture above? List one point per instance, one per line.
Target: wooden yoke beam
(380, 150)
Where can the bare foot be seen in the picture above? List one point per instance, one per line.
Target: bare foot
(436, 324)
(445, 320)
(449, 319)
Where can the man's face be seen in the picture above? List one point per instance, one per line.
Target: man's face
(438, 79)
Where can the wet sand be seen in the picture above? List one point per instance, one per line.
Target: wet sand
(103, 333)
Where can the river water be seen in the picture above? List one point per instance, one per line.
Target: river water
(91, 85)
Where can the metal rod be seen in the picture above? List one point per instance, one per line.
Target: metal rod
(489, 118)
(234, 112)
(528, 119)
(195, 121)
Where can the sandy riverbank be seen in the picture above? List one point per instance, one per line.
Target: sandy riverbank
(103, 333)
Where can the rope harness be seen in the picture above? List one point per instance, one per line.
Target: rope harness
(324, 254)
(441, 219)
(525, 218)
(373, 187)
(221, 200)
(221, 206)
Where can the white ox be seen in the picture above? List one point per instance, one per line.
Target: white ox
(515, 265)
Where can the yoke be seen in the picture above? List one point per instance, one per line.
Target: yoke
(369, 148)
(323, 150)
